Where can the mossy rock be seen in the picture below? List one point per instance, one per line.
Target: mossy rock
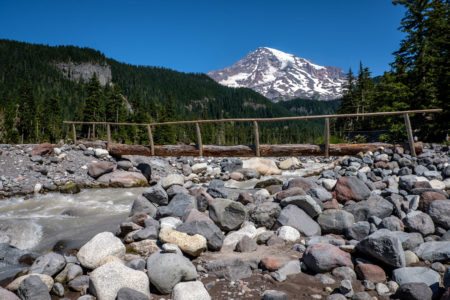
(70, 188)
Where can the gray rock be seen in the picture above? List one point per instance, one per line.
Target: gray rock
(417, 274)
(106, 281)
(295, 217)
(177, 207)
(100, 246)
(414, 291)
(274, 295)
(216, 189)
(336, 297)
(48, 264)
(325, 279)
(346, 288)
(32, 288)
(262, 238)
(304, 202)
(362, 296)
(325, 257)
(320, 194)
(142, 206)
(418, 221)
(191, 290)
(439, 211)
(58, 289)
(97, 169)
(434, 251)
(126, 293)
(73, 271)
(157, 195)
(210, 231)
(165, 270)
(409, 240)
(326, 239)
(146, 233)
(384, 246)
(358, 230)
(344, 273)
(374, 206)
(124, 165)
(7, 295)
(289, 268)
(392, 223)
(145, 169)
(246, 244)
(229, 268)
(227, 214)
(79, 284)
(265, 214)
(136, 264)
(176, 189)
(230, 164)
(248, 173)
(335, 221)
(447, 278)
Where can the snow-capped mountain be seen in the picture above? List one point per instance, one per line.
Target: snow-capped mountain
(282, 76)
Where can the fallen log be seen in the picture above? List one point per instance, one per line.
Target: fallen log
(249, 151)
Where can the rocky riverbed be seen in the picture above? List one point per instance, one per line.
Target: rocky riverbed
(376, 225)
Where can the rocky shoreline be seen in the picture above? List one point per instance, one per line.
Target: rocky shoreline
(376, 225)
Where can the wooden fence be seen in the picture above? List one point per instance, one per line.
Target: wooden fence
(267, 149)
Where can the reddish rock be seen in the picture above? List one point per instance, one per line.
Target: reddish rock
(427, 197)
(294, 191)
(194, 215)
(381, 165)
(97, 169)
(270, 263)
(331, 204)
(422, 185)
(237, 176)
(351, 188)
(300, 182)
(245, 198)
(323, 257)
(45, 149)
(368, 271)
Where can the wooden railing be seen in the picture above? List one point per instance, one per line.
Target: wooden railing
(255, 121)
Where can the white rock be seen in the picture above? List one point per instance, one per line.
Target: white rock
(169, 222)
(98, 248)
(190, 290)
(99, 152)
(262, 165)
(410, 258)
(329, 184)
(263, 193)
(233, 238)
(172, 179)
(57, 151)
(447, 183)
(289, 163)
(288, 233)
(108, 279)
(365, 169)
(14, 285)
(37, 188)
(198, 168)
(437, 184)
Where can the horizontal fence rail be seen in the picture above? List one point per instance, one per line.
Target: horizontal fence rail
(255, 125)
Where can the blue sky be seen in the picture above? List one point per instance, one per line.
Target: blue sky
(198, 36)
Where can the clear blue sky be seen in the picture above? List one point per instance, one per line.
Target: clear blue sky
(198, 36)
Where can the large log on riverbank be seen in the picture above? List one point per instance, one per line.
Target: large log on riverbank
(248, 151)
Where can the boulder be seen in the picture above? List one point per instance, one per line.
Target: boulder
(264, 166)
(45, 149)
(47, 280)
(192, 290)
(274, 295)
(288, 233)
(144, 248)
(417, 221)
(369, 271)
(165, 270)
(229, 268)
(374, 206)
(417, 274)
(414, 291)
(290, 268)
(190, 244)
(98, 248)
(358, 230)
(156, 194)
(172, 179)
(270, 263)
(212, 233)
(300, 182)
(295, 191)
(434, 251)
(106, 281)
(177, 207)
(265, 214)
(246, 244)
(7, 295)
(295, 217)
(32, 288)
(305, 202)
(130, 294)
(227, 214)
(384, 246)
(290, 163)
(97, 169)
(439, 211)
(351, 188)
(125, 179)
(49, 264)
(335, 221)
(141, 205)
(322, 258)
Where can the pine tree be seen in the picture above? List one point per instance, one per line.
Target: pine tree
(93, 110)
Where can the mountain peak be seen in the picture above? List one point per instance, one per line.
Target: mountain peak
(282, 76)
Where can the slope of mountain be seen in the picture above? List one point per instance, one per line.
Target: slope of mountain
(282, 76)
(306, 107)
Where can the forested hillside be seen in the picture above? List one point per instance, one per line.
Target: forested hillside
(35, 97)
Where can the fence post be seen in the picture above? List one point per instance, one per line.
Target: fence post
(255, 126)
(93, 131)
(150, 138)
(108, 134)
(410, 135)
(199, 139)
(74, 131)
(327, 137)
